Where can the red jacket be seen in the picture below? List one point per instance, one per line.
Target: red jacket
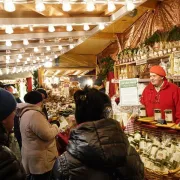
(167, 98)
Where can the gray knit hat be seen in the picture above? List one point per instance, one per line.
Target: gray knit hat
(7, 104)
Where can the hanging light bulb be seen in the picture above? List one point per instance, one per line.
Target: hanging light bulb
(55, 56)
(7, 61)
(42, 60)
(36, 49)
(25, 62)
(90, 5)
(28, 59)
(20, 56)
(25, 42)
(17, 60)
(69, 28)
(101, 26)
(66, 6)
(48, 48)
(9, 29)
(8, 43)
(47, 57)
(130, 5)
(8, 57)
(9, 6)
(34, 61)
(71, 46)
(39, 5)
(38, 58)
(51, 28)
(111, 6)
(31, 28)
(86, 27)
(60, 47)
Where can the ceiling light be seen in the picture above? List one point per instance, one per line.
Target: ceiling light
(130, 5)
(31, 28)
(9, 29)
(86, 27)
(69, 28)
(9, 6)
(8, 43)
(28, 59)
(39, 5)
(25, 42)
(48, 64)
(66, 6)
(48, 48)
(51, 28)
(60, 47)
(101, 26)
(17, 60)
(20, 56)
(36, 49)
(90, 5)
(111, 6)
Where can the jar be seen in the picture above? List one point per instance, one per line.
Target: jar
(157, 114)
(142, 144)
(168, 115)
(153, 151)
(137, 136)
(142, 111)
(161, 154)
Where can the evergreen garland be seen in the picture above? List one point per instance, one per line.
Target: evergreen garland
(35, 80)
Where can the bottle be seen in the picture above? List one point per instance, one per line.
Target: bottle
(168, 115)
(142, 111)
(157, 114)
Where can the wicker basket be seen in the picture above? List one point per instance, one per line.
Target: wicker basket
(156, 175)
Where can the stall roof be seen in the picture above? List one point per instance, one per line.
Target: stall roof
(30, 24)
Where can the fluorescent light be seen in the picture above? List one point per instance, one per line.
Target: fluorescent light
(9, 29)
(111, 6)
(101, 26)
(48, 64)
(86, 27)
(69, 28)
(66, 6)
(51, 28)
(90, 5)
(25, 42)
(39, 5)
(9, 6)
(130, 5)
(8, 43)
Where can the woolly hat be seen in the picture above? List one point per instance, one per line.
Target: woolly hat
(158, 70)
(42, 91)
(33, 97)
(7, 104)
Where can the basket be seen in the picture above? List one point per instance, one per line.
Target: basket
(157, 175)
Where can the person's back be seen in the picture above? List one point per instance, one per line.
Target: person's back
(99, 149)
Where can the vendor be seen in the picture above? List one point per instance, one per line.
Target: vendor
(161, 94)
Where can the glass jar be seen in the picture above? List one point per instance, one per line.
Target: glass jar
(168, 115)
(157, 114)
(161, 154)
(153, 151)
(142, 144)
(142, 111)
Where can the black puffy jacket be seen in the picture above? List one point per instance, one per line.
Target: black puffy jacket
(10, 167)
(99, 150)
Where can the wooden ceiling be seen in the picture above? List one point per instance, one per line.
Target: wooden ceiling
(29, 24)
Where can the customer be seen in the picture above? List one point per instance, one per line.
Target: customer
(44, 96)
(38, 138)
(98, 149)
(161, 94)
(10, 167)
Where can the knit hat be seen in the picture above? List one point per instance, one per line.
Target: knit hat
(42, 91)
(158, 70)
(33, 97)
(7, 104)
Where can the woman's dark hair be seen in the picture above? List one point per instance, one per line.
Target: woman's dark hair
(90, 105)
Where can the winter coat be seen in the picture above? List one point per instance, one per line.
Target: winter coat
(99, 150)
(167, 98)
(39, 149)
(10, 167)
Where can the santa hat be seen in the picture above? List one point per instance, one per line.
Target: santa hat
(158, 70)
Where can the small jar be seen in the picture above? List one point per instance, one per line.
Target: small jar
(153, 151)
(137, 136)
(168, 115)
(161, 154)
(157, 114)
(142, 111)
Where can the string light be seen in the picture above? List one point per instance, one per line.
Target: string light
(31, 28)
(86, 27)
(17, 60)
(37, 58)
(8, 57)
(111, 6)
(48, 48)
(28, 59)
(71, 46)
(101, 26)
(20, 56)
(36, 49)
(25, 42)
(60, 47)
(90, 5)
(8, 43)
(9, 29)
(66, 6)
(51, 28)
(9, 6)
(39, 5)
(69, 27)
(130, 5)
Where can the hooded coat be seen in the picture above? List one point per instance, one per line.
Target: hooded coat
(99, 150)
(10, 167)
(39, 149)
